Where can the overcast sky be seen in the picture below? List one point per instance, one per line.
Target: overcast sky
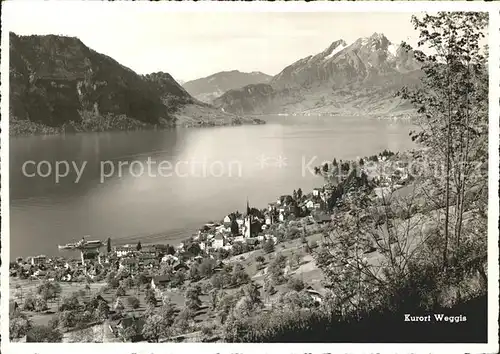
(191, 45)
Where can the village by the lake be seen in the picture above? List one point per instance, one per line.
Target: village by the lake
(102, 292)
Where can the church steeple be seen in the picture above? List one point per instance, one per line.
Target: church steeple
(248, 207)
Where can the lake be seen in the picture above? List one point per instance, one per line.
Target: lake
(161, 186)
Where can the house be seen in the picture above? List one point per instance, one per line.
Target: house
(123, 251)
(218, 241)
(314, 294)
(130, 329)
(149, 251)
(309, 205)
(168, 258)
(160, 282)
(38, 260)
(316, 192)
(227, 221)
(239, 239)
(39, 273)
(179, 265)
(220, 228)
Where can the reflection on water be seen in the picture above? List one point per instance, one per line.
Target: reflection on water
(155, 208)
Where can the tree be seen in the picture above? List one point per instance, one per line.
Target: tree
(40, 304)
(213, 298)
(252, 293)
(299, 194)
(296, 284)
(139, 246)
(296, 300)
(194, 273)
(217, 281)
(183, 320)
(102, 310)
(275, 269)
(269, 288)
(167, 311)
(193, 301)
(120, 291)
(269, 246)
(113, 282)
(155, 327)
(225, 306)
(260, 260)
(48, 290)
(40, 334)
(67, 319)
(108, 245)
(453, 116)
(150, 298)
(239, 248)
(206, 268)
(178, 278)
(239, 276)
(295, 259)
(19, 325)
(133, 302)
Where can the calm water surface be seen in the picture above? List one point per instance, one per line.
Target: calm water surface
(259, 162)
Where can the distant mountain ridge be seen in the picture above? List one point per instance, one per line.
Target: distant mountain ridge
(344, 78)
(58, 83)
(208, 88)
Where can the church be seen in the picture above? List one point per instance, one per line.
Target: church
(251, 225)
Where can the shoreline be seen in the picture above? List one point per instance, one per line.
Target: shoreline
(60, 131)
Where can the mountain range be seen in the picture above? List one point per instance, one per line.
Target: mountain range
(57, 84)
(346, 78)
(208, 88)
